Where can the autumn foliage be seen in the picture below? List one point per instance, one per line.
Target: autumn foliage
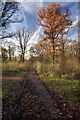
(54, 23)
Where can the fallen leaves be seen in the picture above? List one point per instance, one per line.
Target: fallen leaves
(28, 101)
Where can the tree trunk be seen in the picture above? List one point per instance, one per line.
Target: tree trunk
(79, 35)
(79, 51)
(53, 57)
(42, 69)
(63, 63)
(9, 53)
(23, 57)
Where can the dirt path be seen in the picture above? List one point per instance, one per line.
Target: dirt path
(31, 100)
(10, 78)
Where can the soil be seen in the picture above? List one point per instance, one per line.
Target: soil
(31, 99)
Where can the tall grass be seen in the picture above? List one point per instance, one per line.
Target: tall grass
(71, 69)
(13, 66)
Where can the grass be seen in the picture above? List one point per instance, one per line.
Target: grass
(11, 69)
(68, 88)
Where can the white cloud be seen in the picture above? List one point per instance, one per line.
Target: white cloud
(75, 22)
(49, 0)
(40, 4)
(30, 6)
(27, 7)
(36, 35)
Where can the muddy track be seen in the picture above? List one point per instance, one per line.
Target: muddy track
(31, 100)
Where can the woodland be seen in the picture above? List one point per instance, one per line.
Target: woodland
(41, 80)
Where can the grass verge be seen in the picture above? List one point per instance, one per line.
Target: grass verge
(68, 88)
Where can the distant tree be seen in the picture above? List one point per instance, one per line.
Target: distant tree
(54, 23)
(32, 51)
(23, 36)
(3, 51)
(2, 43)
(7, 48)
(11, 47)
(4, 54)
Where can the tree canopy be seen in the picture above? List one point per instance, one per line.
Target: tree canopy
(54, 23)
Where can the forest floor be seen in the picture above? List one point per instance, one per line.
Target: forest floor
(31, 99)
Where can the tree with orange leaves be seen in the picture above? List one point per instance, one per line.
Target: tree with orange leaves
(54, 23)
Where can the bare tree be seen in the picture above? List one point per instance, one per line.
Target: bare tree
(3, 50)
(8, 14)
(7, 10)
(23, 36)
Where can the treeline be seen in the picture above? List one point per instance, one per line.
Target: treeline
(67, 63)
(56, 51)
(16, 49)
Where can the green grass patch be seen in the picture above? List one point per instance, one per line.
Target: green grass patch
(68, 88)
